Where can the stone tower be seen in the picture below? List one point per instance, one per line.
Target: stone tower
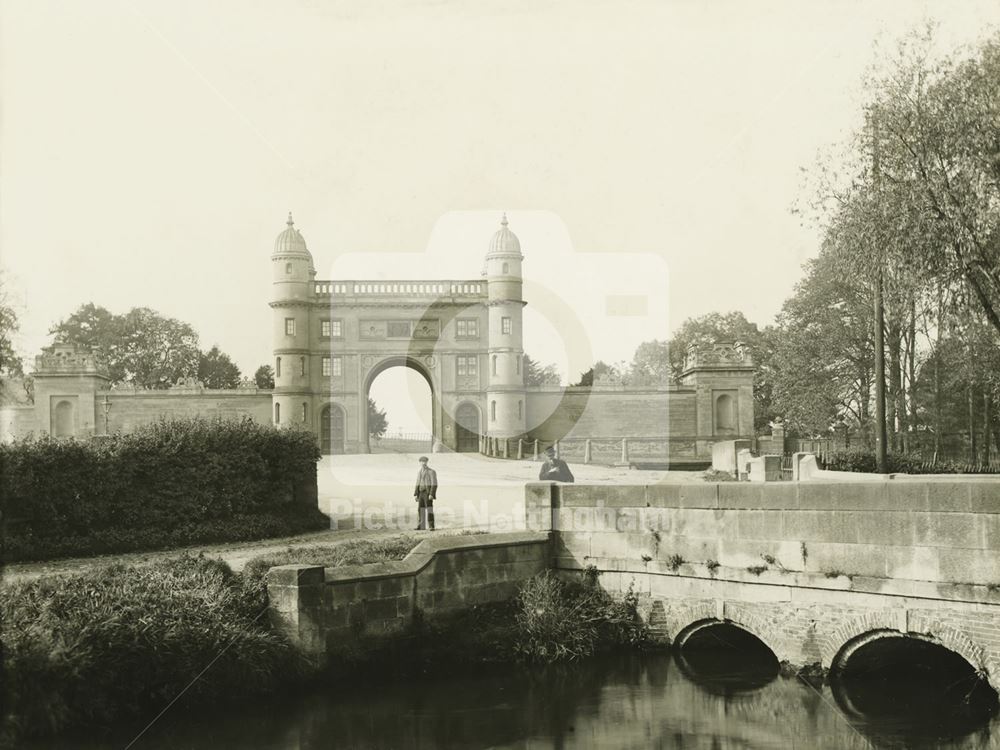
(505, 400)
(291, 295)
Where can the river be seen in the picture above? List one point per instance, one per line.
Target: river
(653, 700)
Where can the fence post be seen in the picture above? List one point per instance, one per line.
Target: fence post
(625, 451)
(506, 447)
(557, 448)
(535, 454)
(586, 451)
(520, 448)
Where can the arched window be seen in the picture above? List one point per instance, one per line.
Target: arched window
(277, 367)
(494, 364)
(517, 365)
(305, 408)
(520, 410)
(506, 269)
(493, 411)
(302, 365)
(288, 268)
(725, 412)
(64, 418)
(277, 413)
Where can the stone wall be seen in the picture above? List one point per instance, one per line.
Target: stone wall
(555, 414)
(129, 409)
(809, 568)
(322, 610)
(17, 421)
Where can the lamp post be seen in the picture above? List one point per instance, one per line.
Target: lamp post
(107, 408)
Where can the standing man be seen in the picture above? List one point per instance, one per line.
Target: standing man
(425, 492)
(554, 469)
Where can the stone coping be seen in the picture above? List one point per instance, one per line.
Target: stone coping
(936, 495)
(416, 560)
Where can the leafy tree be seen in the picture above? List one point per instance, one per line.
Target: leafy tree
(217, 370)
(141, 347)
(823, 358)
(264, 377)
(377, 421)
(599, 370)
(934, 125)
(536, 374)
(11, 365)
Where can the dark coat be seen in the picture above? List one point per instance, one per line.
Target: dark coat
(433, 482)
(555, 470)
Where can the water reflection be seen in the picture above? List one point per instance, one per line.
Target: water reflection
(909, 693)
(654, 700)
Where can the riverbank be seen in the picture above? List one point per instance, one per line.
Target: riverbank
(117, 644)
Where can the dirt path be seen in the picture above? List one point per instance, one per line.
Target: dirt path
(236, 554)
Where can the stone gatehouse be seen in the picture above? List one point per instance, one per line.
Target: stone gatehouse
(332, 338)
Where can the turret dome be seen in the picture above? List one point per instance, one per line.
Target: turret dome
(505, 242)
(291, 241)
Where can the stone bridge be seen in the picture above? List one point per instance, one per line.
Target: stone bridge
(814, 570)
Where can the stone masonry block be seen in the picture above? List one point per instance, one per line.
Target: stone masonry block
(819, 526)
(886, 527)
(961, 530)
(759, 524)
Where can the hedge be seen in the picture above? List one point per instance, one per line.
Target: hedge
(118, 643)
(902, 463)
(168, 483)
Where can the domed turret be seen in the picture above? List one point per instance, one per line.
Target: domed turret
(506, 414)
(504, 242)
(291, 244)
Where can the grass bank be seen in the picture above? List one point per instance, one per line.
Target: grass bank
(113, 646)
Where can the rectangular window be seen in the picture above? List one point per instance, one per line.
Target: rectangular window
(326, 367)
(505, 325)
(337, 327)
(324, 328)
(289, 326)
(398, 328)
(467, 365)
(338, 366)
(467, 328)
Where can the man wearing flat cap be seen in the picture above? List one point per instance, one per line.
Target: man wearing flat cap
(554, 469)
(425, 492)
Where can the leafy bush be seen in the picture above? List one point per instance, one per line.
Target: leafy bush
(121, 642)
(902, 463)
(557, 620)
(714, 475)
(167, 483)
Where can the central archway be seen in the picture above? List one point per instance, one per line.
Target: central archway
(420, 368)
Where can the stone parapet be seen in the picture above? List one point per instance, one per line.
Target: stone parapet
(324, 609)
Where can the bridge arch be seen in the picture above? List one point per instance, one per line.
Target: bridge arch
(698, 626)
(876, 625)
(946, 636)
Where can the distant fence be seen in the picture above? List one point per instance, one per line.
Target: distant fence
(612, 451)
(403, 442)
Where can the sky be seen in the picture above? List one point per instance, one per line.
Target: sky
(150, 151)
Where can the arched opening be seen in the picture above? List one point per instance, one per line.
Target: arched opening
(467, 427)
(401, 416)
(910, 689)
(64, 419)
(725, 413)
(723, 658)
(331, 430)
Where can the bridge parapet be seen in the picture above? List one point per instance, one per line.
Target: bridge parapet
(809, 568)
